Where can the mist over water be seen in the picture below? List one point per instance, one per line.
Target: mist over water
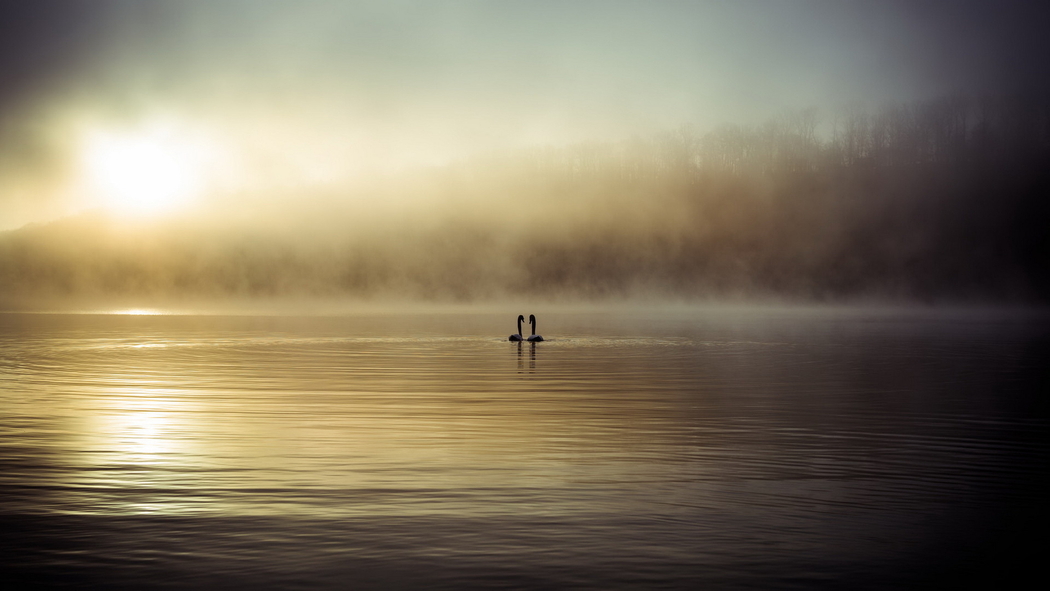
(259, 262)
(944, 201)
(157, 153)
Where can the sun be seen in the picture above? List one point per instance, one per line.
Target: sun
(144, 172)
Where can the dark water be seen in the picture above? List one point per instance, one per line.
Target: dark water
(726, 448)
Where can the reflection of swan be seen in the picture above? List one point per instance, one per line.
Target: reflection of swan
(517, 337)
(535, 338)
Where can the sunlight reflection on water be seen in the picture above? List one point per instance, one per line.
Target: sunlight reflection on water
(672, 442)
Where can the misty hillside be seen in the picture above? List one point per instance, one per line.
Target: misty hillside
(938, 201)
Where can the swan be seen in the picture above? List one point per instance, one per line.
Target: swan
(517, 337)
(535, 338)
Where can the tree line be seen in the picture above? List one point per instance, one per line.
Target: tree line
(944, 200)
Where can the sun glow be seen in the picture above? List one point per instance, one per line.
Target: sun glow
(145, 172)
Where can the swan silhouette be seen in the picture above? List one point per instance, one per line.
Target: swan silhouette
(517, 337)
(535, 338)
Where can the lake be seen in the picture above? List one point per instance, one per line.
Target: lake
(727, 447)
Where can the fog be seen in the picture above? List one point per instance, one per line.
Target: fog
(466, 152)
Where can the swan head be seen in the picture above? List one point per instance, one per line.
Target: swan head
(532, 319)
(522, 318)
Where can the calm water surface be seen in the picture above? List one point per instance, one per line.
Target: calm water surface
(730, 448)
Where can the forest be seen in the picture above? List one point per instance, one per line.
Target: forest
(938, 201)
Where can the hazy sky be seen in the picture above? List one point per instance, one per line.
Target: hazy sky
(251, 95)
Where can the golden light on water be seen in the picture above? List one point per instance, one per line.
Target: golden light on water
(140, 436)
(259, 261)
(137, 425)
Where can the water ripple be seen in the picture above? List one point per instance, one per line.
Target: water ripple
(651, 452)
